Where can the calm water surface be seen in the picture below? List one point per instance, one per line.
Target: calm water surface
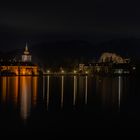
(69, 105)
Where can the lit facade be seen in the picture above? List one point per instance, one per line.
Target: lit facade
(26, 57)
(23, 67)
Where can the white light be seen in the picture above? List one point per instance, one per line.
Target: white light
(134, 68)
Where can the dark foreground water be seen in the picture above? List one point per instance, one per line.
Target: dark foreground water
(69, 105)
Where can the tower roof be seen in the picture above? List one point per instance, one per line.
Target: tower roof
(26, 52)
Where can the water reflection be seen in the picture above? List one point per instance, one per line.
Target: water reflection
(62, 91)
(24, 92)
(25, 96)
(48, 91)
(111, 89)
(7, 85)
(74, 89)
(19, 92)
(43, 87)
(119, 90)
(3, 88)
(34, 88)
(28, 94)
(86, 93)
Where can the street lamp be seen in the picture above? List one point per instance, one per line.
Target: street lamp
(62, 71)
(86, 72)
(48, 71)
(75, 71)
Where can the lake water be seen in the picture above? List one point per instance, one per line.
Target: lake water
(72, 105)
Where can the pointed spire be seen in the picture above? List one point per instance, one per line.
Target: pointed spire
(26, 50)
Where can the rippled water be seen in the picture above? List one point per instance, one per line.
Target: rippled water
(68, 104)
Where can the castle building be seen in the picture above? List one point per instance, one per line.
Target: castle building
(26, 57)
(25, 66)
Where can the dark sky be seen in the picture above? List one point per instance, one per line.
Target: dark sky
(98, 19)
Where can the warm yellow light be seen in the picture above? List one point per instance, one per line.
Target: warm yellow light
(48, 71)
(23, 72)
(86, 72)
(75, 71)
(62, 71)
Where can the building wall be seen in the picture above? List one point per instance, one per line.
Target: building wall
(21, 70)
(26, 58)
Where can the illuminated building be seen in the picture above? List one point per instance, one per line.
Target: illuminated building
(26, 57)
(20, 67)
(108, 63)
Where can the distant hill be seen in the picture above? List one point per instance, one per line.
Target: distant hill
(84, 51)
(126, 47)
(71, 52)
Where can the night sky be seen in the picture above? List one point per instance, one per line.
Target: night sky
(94, 21)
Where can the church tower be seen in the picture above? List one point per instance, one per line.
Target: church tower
(26, 57)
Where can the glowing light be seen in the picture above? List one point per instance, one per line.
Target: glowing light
(86, 72)
(15, 84)
(43, 87)
(25, 96)
(74, 90)
(62, 91)
(86, 89)
(35, 84)
(24, 72)
(75, 71)
(62, 71)
(48, 91)
(4, 88)
(119, 91)
(134, 68)
(48, 71)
